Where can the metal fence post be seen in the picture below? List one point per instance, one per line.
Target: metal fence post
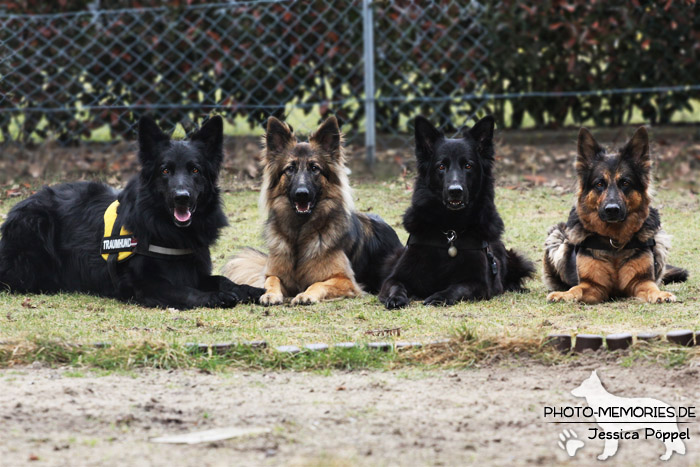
(368, 43)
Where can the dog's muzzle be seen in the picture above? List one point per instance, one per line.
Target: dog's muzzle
(303, 204)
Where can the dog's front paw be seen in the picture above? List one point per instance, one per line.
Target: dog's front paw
(562, 297)
(270, 299)
(396, 301)
(304, 299)
(438, 299)
(252, 294)
(660, 297)
(223, 299)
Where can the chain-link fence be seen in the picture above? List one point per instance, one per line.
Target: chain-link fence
(90, 74)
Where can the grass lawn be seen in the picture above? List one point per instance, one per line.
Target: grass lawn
(33, 322)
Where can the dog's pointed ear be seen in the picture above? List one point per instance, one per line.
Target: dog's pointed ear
(328, 137)
(482, 133)
(426, 138)
(277, 137)
(212, 135)
(637, 148)
(588, 151)
(151, 137)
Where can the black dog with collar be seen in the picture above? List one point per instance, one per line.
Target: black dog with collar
(455, 250)
(54, 240)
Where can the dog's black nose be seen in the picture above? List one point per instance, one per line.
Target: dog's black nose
(182, 197)
(302, 195)
(612, 209)
(455, 191)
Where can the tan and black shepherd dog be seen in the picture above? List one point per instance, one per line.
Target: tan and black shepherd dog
(613, 244)
(320, 248)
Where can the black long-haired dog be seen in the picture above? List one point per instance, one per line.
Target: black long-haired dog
(454, 251)
(149, 243)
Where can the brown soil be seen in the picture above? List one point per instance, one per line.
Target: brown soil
(490, 416)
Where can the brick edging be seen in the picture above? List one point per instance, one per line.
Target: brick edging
(562, 342)
(612, 342)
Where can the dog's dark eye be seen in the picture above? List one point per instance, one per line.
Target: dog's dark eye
(600, 184)
(315, 168)
(468, 166)
(195, 170)
(441, 167)
(624, 183)
(289, 170)
(165, 171)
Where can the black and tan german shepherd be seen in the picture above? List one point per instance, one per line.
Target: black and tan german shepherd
(613, 244)
(454, 251)
(320, 247)
(155, 253)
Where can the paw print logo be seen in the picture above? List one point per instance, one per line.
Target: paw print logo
(569, 442)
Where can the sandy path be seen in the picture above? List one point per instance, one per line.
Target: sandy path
(491, 416)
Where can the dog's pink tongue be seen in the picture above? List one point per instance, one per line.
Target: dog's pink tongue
(182, 214)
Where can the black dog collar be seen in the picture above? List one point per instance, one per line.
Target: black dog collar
(598, 242)
(454, 242)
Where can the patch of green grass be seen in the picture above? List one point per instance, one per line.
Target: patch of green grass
(46, 325)
(148, 354)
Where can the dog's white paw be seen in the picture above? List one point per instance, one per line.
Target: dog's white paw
(269, 299)
(304, 299)
(569, 442)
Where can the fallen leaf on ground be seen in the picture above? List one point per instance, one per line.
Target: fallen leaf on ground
(209, 436)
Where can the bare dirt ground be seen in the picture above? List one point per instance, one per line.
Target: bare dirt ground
(491, 416)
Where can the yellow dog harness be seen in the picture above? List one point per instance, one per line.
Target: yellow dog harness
(123, 244)
(118, 244)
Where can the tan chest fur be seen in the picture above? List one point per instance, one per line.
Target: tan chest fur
(305, 260)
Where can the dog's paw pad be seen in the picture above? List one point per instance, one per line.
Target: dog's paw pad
(396, 302)
(229, 298)
(569, 442)
(661, 297)
(254, 294)
(555, 297)
(269, 299)
(438, 300)
(304, 299)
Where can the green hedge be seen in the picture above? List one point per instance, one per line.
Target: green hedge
(287, 53)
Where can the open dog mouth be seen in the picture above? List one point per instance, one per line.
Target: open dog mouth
(303, 208)
(612, 220)
(455, 204)
(182, 214)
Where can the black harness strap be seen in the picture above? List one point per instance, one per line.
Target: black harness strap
(598, 242)
(451, 239)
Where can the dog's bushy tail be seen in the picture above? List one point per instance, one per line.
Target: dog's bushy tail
(518, 268)
(674, 274)
(247, 267)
